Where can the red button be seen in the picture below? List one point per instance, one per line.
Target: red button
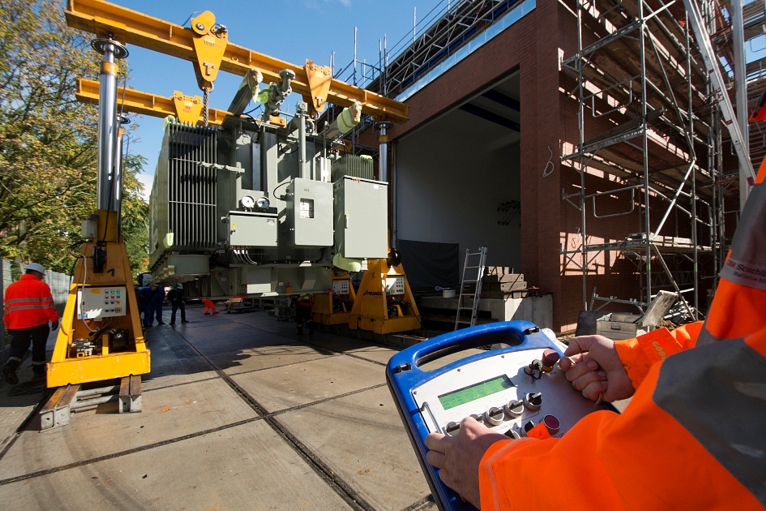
(552, 423)
(550, 357)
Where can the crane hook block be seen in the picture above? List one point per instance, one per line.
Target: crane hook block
(188, 108)
(319, 78)
(210, 43)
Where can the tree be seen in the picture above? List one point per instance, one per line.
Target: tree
(48, 141)
(135, 215)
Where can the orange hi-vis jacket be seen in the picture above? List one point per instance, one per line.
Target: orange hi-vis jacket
(28, 303)
(694, 433)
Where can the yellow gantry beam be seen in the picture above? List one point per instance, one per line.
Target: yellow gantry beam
(138, 102)
(132, 27)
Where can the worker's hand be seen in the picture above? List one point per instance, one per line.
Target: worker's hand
(592, 365)
(54, 325)
(458, 457)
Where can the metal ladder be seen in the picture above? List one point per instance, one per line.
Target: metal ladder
(468, 268)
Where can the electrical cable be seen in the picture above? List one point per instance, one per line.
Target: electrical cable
(82, 289)
(274, 191)
(547, 172)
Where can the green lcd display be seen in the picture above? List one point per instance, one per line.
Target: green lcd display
(474, 392)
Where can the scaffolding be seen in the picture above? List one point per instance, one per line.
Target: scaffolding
(649, 124)
(651, 132)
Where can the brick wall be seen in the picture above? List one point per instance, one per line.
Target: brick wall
(549, 128)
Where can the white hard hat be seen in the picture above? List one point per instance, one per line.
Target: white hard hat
(39, 268)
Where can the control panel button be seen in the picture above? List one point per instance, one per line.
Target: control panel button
(494, 416)
(552, 424)
(534, 368)
(452, 428)
(476, 417)
(514, 408)
(512, 433)
(533, 401)
(527, 427)
(550, 357)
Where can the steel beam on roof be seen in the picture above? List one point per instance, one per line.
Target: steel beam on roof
(502, 99)
(491, 116)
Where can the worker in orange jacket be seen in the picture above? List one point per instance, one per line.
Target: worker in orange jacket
(692, 437)
(28, 308)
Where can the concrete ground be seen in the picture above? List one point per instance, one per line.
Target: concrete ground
(239, 412)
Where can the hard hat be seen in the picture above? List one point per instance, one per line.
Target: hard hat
(39, 268)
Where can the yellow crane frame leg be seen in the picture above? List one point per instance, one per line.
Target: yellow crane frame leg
(67, 366)
(342, 294)
(370, 311)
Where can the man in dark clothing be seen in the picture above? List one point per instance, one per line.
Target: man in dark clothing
(176, 299)
(140, 301)
(146, 293)
(158, 296)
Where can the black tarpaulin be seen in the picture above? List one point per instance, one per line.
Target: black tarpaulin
(429, 265)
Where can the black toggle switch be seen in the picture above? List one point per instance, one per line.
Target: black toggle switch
(533, 400)
(452, 428)
(514, 408)
(494, 416)
(527, 427)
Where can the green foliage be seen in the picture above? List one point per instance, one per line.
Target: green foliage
(135, 215)
(48, 141)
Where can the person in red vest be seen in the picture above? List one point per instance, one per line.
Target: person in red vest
(303, 313)
(28, 308)
(693, 435)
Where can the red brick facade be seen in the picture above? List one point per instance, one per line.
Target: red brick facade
(535, 45)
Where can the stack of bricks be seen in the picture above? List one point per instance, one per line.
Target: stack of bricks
(502, 282)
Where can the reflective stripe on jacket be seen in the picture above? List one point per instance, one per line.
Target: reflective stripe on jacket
(743, 277)
(692, 436)
(28, 303)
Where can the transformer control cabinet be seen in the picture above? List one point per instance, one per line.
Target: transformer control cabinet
(509, 389)
(101, 302)
(310, 212)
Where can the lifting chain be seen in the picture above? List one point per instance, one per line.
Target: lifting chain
(205, 107)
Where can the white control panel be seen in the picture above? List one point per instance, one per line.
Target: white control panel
(101, 302)
(340, 287)
(395, 285)
(508, 393)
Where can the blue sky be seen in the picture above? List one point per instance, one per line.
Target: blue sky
(290, 30)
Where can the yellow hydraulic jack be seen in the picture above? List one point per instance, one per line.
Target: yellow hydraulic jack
(100, 337)
(384, 303)
(334, 308)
